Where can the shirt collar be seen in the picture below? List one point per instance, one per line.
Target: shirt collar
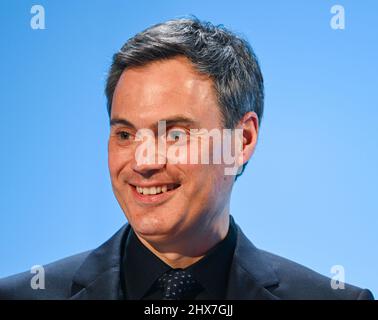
(141, 268)
(213, 269)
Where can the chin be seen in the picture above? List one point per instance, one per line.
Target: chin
(153, 224)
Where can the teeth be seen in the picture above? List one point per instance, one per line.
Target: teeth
(154, 190)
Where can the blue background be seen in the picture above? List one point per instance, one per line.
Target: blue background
(309, 193)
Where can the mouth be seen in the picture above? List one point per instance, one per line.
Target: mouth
(154, 194)
(156, 189)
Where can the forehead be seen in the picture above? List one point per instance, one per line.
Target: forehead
(162, 89)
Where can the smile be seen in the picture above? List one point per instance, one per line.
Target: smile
(156, 189)
(154, 194)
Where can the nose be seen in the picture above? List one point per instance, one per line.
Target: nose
(148, 162)
(147, 170)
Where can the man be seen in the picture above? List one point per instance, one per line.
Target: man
(170, 86)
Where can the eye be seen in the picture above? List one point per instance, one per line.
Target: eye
(123, 135)
(176, 134)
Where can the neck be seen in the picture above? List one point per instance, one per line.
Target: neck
(187, 249)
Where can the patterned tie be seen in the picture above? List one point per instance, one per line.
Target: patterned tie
(178, 284)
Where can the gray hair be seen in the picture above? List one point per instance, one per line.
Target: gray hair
(213, 50)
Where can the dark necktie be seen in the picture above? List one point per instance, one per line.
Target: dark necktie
(178, 284)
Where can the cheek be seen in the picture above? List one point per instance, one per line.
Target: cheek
(215, 183)
(118, 159)
(204, 180)
(113, 161)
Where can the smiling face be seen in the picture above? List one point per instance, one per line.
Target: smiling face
(166, 202)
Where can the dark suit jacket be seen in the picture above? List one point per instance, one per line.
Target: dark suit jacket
(254, 274)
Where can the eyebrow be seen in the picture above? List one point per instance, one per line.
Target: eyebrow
(171, 121)
(120, 121)
(180, 120)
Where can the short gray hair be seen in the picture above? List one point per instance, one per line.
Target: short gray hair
(213, 50)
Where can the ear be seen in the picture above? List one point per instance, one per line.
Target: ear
(249, 125)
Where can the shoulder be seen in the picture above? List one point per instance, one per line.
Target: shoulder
(284, 279)
(299, 282)
(57, 280)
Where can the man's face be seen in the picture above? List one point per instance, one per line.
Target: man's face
(195, 195)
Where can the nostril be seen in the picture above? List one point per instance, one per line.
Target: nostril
(147, 173)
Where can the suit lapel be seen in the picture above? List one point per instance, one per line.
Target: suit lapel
(99, 275)
(250, 274)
